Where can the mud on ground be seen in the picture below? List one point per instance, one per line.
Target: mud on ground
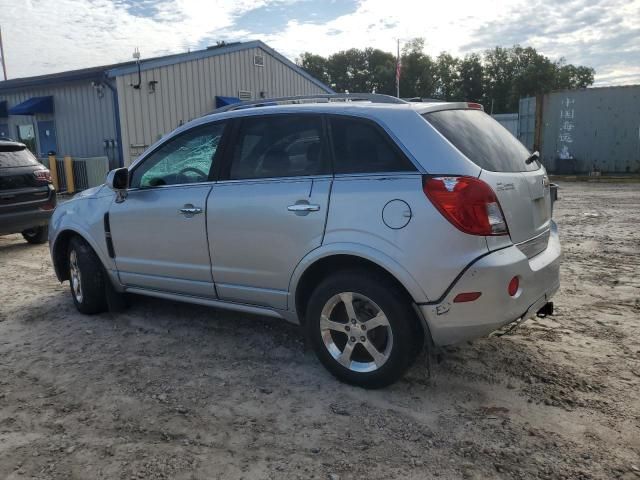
(167, 390)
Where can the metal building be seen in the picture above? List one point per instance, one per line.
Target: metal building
(119, 110)
(580, 131)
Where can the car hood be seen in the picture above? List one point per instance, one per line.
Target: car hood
(89, 192)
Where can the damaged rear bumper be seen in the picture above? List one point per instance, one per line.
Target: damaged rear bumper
(451, 323)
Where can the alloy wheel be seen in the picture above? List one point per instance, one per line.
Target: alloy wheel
(76, 277)
(356, 332)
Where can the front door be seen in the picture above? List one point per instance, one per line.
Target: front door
(269, 208)
(46, 138)
(159, 231)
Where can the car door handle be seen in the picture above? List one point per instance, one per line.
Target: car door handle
(190, 210)
(303, 207)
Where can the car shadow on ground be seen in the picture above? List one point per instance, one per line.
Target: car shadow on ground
(8, 246)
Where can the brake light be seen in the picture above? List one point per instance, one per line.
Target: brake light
(43, 175)
(468, 203)
(475, 106)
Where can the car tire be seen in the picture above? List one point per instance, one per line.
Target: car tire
(36, 235)
(372, 350)
(86, 278)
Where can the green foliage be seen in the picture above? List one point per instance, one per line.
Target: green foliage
(497, 78)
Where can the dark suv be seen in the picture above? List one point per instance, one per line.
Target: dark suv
(27, 197)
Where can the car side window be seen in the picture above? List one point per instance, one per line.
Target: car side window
(279, 146)
(362, 147)
(186, 158)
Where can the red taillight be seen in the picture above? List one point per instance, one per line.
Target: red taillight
(468, 203)
(513, 287)
(43, 175)
(466, 297)
(475, 106)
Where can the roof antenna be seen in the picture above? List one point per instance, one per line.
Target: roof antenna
(136, 55)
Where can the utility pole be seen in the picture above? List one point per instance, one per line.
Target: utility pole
(4, 65)
(398, 68)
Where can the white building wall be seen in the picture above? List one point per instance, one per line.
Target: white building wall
(187, 90)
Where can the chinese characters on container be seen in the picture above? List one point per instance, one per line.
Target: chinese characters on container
(565, 136)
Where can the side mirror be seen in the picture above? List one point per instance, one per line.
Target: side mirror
(118, 181)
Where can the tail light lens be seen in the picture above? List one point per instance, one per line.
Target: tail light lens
(514, 286)
(43, 175)
(468, 203)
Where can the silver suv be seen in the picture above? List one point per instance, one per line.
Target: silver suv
(380, 226)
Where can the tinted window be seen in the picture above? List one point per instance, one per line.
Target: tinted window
(362, 147)
(278, 146)
(16, 156)
(186, 158)
(482, 140)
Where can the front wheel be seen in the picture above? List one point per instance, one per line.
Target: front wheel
(362, 328)
(86, 277)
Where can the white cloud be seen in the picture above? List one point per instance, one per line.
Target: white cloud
(54, 35)
(44, 36)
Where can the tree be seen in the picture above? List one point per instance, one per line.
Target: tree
(470, 81)
(417, 77)
(570, 76)
(447, 76)
(498, 78)
(316, 65)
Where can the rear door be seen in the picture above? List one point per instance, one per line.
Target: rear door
(270, 206)
(523, 190)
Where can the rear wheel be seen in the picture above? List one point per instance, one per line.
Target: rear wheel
(36, 235)
(86, 278)
(362, 328)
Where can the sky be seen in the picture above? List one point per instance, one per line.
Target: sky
(47, 36)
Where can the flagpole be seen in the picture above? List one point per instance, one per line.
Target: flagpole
(4, 65)
(398, 72)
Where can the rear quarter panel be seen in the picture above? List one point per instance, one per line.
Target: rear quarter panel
(429, 248)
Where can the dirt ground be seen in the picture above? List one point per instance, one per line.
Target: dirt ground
(167, 390)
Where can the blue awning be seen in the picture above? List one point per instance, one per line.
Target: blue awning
(32, 106)
(224, 101)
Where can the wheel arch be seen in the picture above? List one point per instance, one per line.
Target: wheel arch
(321, 262)
(60, 247)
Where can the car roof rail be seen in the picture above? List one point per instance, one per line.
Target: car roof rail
(319, 98)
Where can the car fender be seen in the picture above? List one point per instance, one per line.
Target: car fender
(85, 217)
(357, 250)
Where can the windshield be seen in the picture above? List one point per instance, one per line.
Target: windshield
(482, 140)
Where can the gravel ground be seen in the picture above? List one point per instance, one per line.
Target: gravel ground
(166, 390)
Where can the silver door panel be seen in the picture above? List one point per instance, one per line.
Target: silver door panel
(157, 245)
(256, 241)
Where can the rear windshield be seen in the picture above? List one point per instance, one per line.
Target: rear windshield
(16, 156)
(483, 140)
